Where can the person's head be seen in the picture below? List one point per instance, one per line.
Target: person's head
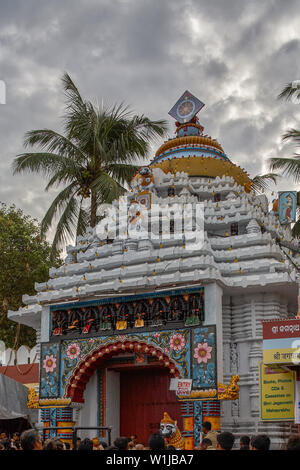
(156, 442)
(206, 427)
(244, 441)
(121, 443)
(130, 445)
(139, 447)
(260, 442)
(16, 436)
(60, 445)
(53, 444)
(86, 444)
(31, 440)
(293, 442)
(225, 441)
(133, 438)
(3, 435)
(102, 445)
(6, 443)
(205, 443)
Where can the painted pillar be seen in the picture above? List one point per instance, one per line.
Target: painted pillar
(187, 409)
(58, 417)
(211, 413)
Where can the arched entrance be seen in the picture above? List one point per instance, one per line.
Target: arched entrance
(144, 397)
(134, 395)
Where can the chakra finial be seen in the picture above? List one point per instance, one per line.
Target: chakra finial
(186, 108)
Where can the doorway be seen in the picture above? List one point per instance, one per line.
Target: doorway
(144, 397)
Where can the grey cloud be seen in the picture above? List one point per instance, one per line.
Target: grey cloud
(146, 53)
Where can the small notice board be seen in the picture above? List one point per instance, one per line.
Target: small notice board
(277, 393)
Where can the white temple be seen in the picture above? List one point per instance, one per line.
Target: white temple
(243, 264)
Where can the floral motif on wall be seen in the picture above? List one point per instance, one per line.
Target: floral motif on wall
(177, 342)
(49, 363)
(73, 351)
(50, 360)
(202, 352)
(204, 357)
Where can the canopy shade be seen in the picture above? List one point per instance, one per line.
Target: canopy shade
(13, 400)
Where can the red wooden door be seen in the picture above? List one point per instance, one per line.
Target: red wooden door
(144, 396)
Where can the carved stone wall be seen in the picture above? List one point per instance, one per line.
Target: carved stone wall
(242, 352)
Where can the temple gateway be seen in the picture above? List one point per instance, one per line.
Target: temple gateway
(159, 308)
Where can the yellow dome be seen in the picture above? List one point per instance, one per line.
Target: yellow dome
(206, 166)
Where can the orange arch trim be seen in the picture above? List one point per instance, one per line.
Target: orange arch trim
(85, 369)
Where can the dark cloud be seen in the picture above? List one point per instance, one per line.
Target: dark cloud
(235, 56)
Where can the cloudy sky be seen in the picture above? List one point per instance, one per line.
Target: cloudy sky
(235, 55)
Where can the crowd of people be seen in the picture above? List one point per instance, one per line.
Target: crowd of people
(211, 440)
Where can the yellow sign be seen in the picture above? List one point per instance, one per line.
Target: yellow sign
(277, 393)
(281, 356)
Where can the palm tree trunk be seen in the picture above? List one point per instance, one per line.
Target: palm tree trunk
(93, 215)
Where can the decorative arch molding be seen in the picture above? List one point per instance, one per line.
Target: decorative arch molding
(86, 368)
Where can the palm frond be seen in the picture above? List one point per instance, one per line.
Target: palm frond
(296, 229)
(64, 176)
(66, 226)
(292, 134)
(262, 182)
(122, 172)
(73, 97)
(83, 220)
(107, 187)
(53, 142)
(45, 163)
(290, 166)
(289, 91)
(59, 204)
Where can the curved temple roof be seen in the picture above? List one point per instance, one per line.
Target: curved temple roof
(197, 155)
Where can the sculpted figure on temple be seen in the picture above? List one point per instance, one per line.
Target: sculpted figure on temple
(144, 180)
(171, 433)
(105, 323)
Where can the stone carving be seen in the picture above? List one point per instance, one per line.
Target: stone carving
(253, 227)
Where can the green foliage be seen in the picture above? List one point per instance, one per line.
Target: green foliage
(261, 183)
(24, 260)
(290, 91)
(94, 159)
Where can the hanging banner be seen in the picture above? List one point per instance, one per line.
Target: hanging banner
(287, 203)
(277, 393)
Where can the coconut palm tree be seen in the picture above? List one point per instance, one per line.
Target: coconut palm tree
(94, 158)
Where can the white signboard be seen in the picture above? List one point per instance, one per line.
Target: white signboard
(184, 387)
